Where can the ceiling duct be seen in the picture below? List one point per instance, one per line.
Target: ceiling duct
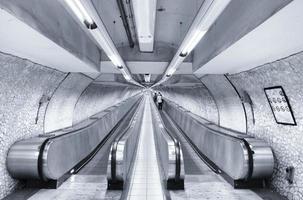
(86, 14)
(145, 19)
(125, 23)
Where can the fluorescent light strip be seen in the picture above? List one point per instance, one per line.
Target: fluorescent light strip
(194, 40)
(107, 47)
(83, 11)
(126, 76)
(207, 15)
(171, 71)
(99, 34)
(115, 60)
(145, 18)
(75, 9)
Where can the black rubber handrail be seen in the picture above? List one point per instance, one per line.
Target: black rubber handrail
(107, 137)
(178, 161)
(177, 148)
(115, 145)
(86, 159)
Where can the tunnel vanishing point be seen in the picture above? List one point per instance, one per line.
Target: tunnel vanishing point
(151, 99)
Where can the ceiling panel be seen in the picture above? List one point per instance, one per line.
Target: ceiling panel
(277, 37)
(34, 46)
(174, 18)
(109, 13)
(169, 15)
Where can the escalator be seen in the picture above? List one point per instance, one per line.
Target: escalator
(151, 154)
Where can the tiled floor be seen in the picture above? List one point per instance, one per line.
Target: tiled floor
(79, 187)
(145, 181)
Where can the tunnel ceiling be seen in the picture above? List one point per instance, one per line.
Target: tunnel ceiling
(173, 19)
(49, 32)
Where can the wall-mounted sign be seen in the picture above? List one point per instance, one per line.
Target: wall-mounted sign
(280, 106)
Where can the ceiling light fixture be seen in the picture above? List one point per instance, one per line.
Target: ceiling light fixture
(207, 15)
(147, 78)
(171, 71)
(125, 74)
(194, 40)
(86, 13)
(145, 18)
(81, 13)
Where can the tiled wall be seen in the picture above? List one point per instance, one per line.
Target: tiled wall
(286, 141)
(22, 84)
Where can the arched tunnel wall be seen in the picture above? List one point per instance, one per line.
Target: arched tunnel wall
(226, 94)
(230, 108)
(66, 99)
(198, 100)
(23, 84)
(60, 110)
(213, 97)
(98, 97)
(79, 97)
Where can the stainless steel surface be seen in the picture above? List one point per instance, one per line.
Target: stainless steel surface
(224, 147)
(22, 158)
(124, 148)
(188, 91)
(64, 149)
(169, 149)
(100, 95)
(60, 109)
(201, 182)
(231, 112)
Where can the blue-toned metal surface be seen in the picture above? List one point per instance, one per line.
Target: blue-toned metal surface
(50, 158)
(123, 150)
(169, 152)
(227, 149)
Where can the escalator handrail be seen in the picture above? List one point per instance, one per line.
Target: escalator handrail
(117, 141)
(52, 136)
(177, 146)
(211, 123)
(250, 152)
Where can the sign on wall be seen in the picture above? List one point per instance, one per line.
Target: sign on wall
(280, 106)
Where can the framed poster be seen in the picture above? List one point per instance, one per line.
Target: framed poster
(280, 106)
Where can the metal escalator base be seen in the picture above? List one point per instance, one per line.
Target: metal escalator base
(202, 182)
